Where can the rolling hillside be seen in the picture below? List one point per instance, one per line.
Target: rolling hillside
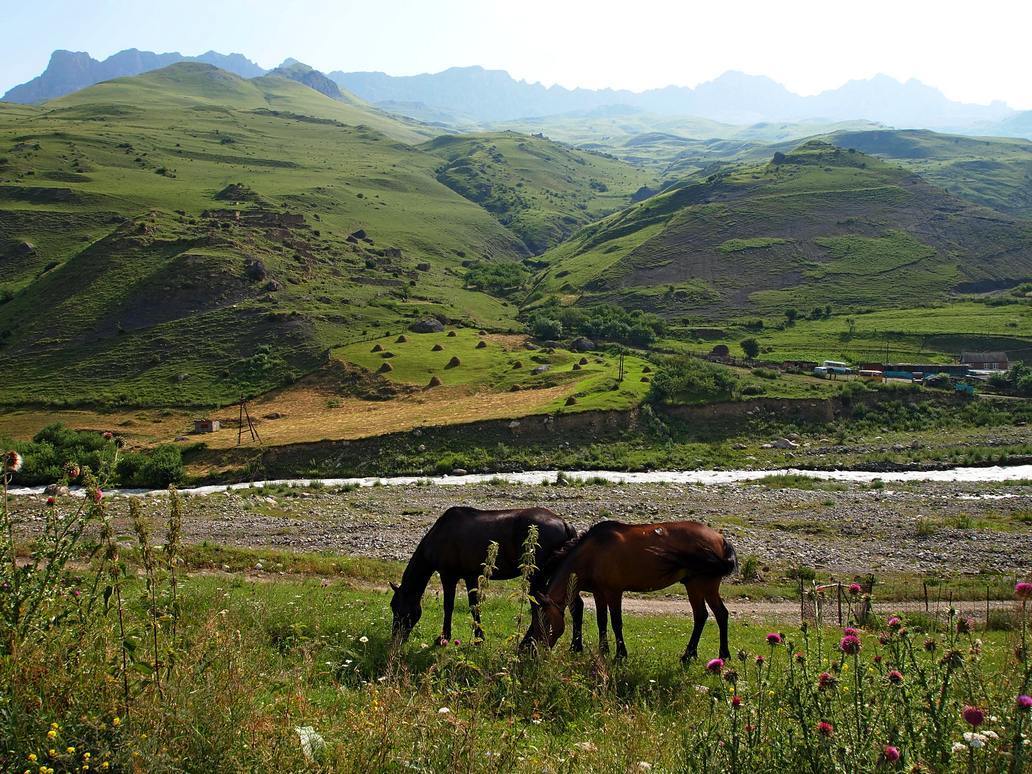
(540, 190)
(187, 236)
(815, 226)
(992, 171)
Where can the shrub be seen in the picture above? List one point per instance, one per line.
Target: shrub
(751, 347)
(154, 469)
(690, 380)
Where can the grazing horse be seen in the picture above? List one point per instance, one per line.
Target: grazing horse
(456, 547)
(611, 558)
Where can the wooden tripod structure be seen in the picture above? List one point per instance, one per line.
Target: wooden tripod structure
(245, 414)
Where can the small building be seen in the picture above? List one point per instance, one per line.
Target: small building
(206, 425)
(985, 361)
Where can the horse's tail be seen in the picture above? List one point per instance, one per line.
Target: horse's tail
(730, 559)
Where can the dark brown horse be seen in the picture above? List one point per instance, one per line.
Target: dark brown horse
(456, 546)
(611, 558)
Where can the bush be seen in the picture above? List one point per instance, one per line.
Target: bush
(605, 321)
(751, 348)
(499, 279)
(156, 469)
(689, 380)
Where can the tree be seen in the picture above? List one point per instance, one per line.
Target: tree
(546, 328)
(791, 315)
(751, 348)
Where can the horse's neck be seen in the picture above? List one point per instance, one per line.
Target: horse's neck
(559, 589)
(417, 574)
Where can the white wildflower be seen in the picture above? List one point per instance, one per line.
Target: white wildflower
(444, 711)
(363, 639)
(959, 747)
(974, 739)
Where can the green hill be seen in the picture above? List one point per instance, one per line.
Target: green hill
(992, 171)
(819, 225)
(540, 190)
(187, 236)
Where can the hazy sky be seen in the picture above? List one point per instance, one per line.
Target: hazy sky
(973, 51)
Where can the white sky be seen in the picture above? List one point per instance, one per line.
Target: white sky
(972, 51)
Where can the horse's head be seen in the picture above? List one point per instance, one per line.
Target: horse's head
(549, 621)
(407, 611)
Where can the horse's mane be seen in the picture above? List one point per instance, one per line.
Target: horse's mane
(552, 564)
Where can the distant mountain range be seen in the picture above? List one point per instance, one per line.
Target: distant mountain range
(461, 95)
(70, 71)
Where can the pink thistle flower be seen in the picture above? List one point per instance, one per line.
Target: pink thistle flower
(973, 716)
(736, 701)
(965, 625)
(851, 630)
(891, 753)
(1024, 702)
(800, 658)
(824, 728)
(895, 677)
(878, 659)
(50, 501)
(96, 495)
(774, 638)
(759, 660)
(72, 470)
(895, 622)
(715, 665)
(1023, 590)
(12, 461)
(108, 435)
(850, 644)
(825, 681)
(855, 588)
(458, 642)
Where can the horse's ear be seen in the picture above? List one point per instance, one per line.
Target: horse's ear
(394, 585)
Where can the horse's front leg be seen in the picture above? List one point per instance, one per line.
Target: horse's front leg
(616, 614)
(577, 614)
(473, 594)
(448, 586)
(600, 617)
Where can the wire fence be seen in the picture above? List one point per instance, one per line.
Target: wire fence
(930, 603)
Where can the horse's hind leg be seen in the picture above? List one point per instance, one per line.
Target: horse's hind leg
(699, 616)
(577, 614)
(600, 616)
(448, 586)
(473, 594)
(720, 614)
(616, 614)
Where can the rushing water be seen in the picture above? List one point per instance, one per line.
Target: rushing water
(958, 475)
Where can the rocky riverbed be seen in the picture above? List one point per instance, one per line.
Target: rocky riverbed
(837, 527)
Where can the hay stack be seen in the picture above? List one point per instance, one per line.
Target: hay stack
(401, 339)
(571, 401)
(434, 382)
(454, 362)
(385, 368)
(376, 348)
(451, 334)
(481, 345)
(437, 348)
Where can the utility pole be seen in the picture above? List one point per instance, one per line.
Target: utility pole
(245, 414)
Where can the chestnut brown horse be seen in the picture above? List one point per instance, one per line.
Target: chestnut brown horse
(456, 546)
(612, 557)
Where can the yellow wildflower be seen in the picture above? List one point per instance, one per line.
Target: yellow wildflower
(69, 750)
(51, 734)
(32, 757)
(116, 721)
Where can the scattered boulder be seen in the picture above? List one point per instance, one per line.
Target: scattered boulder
(454, 362)
(255, 269)
(582, 344)
(376, 348)
(385, 368)
(517, 365)
(481, 333)
(360, 234)
(423, 266)
(459, 472)
(272, 286)
(435, 381)
(540, 369)
(529, 345)
(576, 367)
(427, 325)
(56, 490)
(436, 348)
(274, 415)
(481, 345)
(514, 388)
(785, 443)
(583, 361)
(401, 339)
(740, 446)
(571, 401)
